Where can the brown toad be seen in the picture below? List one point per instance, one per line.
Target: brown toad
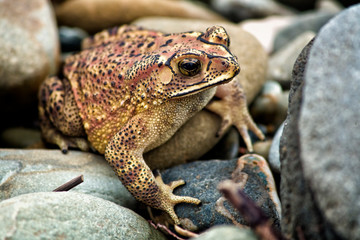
(129, 91)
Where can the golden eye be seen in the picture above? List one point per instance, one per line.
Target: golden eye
(189, 66)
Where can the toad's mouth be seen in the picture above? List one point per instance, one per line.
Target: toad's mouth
(196, 87)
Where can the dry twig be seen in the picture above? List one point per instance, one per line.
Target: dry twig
(70, 184)
(252, 213)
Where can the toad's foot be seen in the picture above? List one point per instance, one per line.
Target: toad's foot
(168, 200)
(233, 110)
(51, 135)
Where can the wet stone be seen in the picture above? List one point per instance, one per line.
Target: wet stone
(202, 179)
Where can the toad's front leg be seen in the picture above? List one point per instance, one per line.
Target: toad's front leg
(125, 154)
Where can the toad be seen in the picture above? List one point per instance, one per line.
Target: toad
(130, 89)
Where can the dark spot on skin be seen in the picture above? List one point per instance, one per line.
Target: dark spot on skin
(167, 43)
(119, 76)
(110, 71)
(150, 44)
(160, 64)
(140, 45)
(184, 36)
(121, 44)
(112, 84)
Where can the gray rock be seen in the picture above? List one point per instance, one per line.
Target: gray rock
(319, 146)
(238, 10)
(348, 3)
(71, 38)
(282, 62)
(226, 233)
(26, 171)
(301, 5)
(300, 214)
(329, 122)
(274, 154)
(202, 178)
(306, 22)
(70, 215)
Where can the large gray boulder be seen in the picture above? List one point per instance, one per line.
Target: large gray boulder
(329, 122)
(319, 147)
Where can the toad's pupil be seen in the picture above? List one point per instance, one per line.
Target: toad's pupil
(190, 66)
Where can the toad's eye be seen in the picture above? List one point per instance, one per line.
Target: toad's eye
(189, 66)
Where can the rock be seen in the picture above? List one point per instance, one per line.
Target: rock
(307, 22)
(70, 215)
(329, 121)
(29, 50)
(20, 137)
(226, 233)
(262, 148)
(202, 178)
(274, 153)
(299, 210)
(348, 3)
(270, 107)
(96, 15)
(319, 150)
(191, 141)
(299, 4)
(265, 30)
(226, 148)
(27, 171)
(282, 62)
(329, 6)
(71, 38)
(238, 10)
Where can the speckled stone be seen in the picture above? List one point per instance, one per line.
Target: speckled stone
(70, 215)
(202, 178)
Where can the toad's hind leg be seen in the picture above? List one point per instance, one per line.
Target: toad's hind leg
(60, 121)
